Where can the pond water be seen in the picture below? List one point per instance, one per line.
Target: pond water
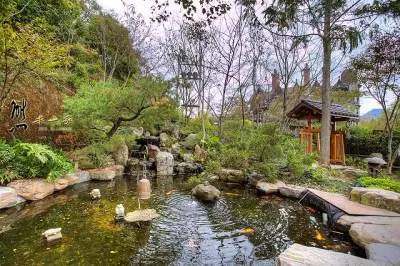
(241, 228)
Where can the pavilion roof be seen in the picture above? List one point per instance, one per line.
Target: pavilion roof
(314, 108)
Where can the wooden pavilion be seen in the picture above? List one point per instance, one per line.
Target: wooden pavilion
(310, 110)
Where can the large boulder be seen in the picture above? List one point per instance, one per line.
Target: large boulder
(376, 197)
(299, 255)
(206, 192)
(121, 155)
(269, 188)
(384, 254)
(102, 174)
(232, 175)
(364, 234)
(165, 163)
(8, 197)
(291, 191)
(190, 141)
(32, 189)
(188, 168)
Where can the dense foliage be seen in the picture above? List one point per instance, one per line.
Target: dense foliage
(364, 141)
(98, 110)
(26, 160)
(264, 149)
(384, 183)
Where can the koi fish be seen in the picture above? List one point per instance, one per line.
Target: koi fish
(170, 192)
(247, 231)
(318, 236)
(192, 244)
(231, 194)
(310, 209)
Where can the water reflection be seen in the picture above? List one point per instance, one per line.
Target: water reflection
(188, 231)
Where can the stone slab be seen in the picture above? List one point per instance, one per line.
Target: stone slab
(351, 207)
(364, 234)
(269, 188)
(383, 253)
(350, 219)
(298, 255)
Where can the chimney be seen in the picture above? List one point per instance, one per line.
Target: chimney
(306, 75)
(275, 83)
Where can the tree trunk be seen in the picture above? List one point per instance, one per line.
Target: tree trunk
(390, 151)
(324, 157)
(284, 103)
(114, 128)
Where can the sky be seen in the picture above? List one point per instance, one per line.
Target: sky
(143, 7)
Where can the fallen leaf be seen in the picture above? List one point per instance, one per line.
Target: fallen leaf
(113, 251)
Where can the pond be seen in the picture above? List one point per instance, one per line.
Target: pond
(240, 228)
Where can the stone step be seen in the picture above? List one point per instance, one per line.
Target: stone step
(348, 220)
(298, 255)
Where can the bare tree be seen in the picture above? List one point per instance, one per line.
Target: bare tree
(379, 73)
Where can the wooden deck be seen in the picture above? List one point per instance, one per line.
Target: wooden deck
(351, 207)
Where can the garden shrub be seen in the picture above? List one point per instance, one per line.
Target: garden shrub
(37, 160)
(26, 160)
(99, 154)
(384, 183)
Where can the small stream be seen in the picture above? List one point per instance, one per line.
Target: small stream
(241, 228)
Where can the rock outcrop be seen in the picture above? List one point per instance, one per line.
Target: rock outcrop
(165, 163)
(376, 197)
(32, 189)
(153, 150)
(206, 192)
(232, 175)
(188, 168)
(102, 174)
(8, 197)
(364, 234)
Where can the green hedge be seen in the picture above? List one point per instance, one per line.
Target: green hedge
(364, 142)
(384, 183)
